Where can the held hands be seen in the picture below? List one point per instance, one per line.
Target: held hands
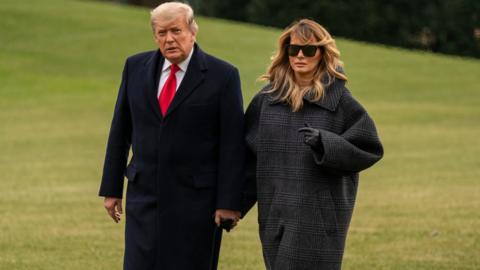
(311, 135)
(226, 219)
(113, 207)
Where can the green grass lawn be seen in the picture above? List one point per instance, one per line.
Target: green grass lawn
(60, 66)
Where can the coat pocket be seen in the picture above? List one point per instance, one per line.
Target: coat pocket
(329, 215)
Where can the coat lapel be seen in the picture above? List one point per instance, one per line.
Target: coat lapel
(333, 93)
(194, 76)
(152, 75)
(329, 101)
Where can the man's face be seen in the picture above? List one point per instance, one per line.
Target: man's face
(174, 38)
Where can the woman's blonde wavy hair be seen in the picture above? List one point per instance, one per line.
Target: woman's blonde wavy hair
(281, 75)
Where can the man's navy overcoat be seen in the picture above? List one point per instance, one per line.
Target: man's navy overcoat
(184, 166)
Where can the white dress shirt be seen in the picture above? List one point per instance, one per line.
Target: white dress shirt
(180, 73)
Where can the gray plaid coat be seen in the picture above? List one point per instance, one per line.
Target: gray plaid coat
(305, 196)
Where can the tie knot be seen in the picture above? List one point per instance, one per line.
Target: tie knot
(174, 68)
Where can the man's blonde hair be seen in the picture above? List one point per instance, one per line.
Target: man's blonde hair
(171, 10)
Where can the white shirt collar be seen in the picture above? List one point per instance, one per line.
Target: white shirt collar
(183, 65)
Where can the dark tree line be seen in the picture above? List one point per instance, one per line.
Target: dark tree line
(444, 26)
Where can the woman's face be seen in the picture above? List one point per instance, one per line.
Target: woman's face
(301, 63)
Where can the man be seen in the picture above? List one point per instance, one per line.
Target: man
(180, 110)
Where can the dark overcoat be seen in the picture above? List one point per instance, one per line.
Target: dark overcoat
(184, 166)
(306, 196)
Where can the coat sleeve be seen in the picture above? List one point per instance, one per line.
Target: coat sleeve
(231, 156)
(252, 117)
(356, 148)
(118, 145)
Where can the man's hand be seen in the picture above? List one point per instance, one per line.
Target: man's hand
(114, 208)
(226, 214)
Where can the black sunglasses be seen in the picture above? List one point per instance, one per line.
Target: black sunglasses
(307, 50)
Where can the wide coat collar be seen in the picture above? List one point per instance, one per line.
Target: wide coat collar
(329, 101)
(192, 79)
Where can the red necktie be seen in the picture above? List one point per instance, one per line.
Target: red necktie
(168, 90)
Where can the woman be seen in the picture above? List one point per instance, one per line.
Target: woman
(308, 139)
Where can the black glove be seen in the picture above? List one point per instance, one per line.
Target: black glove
(312, 137)
(226, 224)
